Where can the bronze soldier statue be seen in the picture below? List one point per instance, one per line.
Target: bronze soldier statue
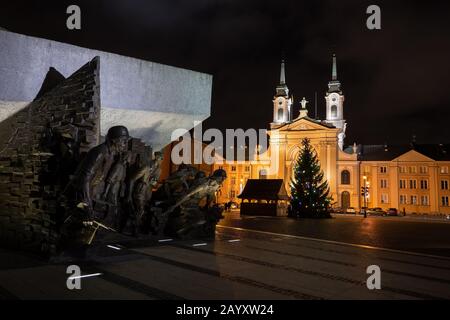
(87, 185)
(179, 182)
(198, 212)
(90, 176)
(156, 169)
(115, 189)
(142, 178)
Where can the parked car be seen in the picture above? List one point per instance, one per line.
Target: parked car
(336, 210)
(350, 210)
(392, 212)
(376, 211)
(229, 205)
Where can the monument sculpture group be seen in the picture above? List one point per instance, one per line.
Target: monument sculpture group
(112, 189)
(60, 184)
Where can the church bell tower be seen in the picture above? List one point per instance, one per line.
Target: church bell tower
(335, 104)
(282, 102)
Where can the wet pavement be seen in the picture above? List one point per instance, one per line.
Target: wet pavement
(251, 258)
(425, 235)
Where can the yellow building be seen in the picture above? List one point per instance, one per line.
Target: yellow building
(413, 177)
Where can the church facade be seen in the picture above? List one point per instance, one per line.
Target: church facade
(414, 178)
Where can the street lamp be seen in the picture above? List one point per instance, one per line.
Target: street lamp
(365, 196)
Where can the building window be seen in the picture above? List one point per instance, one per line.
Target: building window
(247, 168)
(403, 169)
(413, 199)
(383, 169)
(383, 183)
(345, 177)
(366, 170)
(232, 194)
(424, 200)
(233, 168)
(333, 111)
(403, 199)
(221, 167)
(444, 184)
(233, 180)
(402, 184)
(384, 198)
(413, 169)
(412, 184)
(280, 114)
(423, 169)
(444, 201)
(423, 184)
(444, 170)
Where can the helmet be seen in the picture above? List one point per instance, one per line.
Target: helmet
(117, 132)
(219, 173)
(200, 174)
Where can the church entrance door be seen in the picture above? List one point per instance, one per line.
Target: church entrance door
(345, 200)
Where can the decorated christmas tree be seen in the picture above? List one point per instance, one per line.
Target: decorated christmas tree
(309, 191)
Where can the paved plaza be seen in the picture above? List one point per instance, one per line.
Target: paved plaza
(241, 263)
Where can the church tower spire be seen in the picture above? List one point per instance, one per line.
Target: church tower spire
(334, 69)
(334, 85)
(335, 103)
(282, 102)
(282, 89)
(282, 74)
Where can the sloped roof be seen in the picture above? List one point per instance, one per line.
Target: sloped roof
(314, 121)
(438, 152)
(264, 189)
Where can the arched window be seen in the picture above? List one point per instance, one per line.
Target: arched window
(334, 111)
(280, 114)
(263, 174)
(345, 177)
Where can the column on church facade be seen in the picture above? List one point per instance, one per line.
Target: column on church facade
(290, 163)
(280, 155)
(332, 166)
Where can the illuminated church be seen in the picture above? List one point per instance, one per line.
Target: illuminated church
(411, 177)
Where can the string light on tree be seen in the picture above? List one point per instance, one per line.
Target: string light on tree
(309, 191)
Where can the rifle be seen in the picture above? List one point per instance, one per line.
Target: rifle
(86, 223)
(96, 225)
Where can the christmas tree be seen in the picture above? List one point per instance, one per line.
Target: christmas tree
(309, 191)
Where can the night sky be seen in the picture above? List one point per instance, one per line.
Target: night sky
(395, 80)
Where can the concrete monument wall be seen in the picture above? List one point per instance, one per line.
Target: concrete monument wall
(151, 99)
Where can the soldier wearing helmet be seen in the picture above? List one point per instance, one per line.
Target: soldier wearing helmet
(140, 182)
(198, 210)
(90, 176)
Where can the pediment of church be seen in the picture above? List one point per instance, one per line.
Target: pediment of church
(412, 155)
(304, 124)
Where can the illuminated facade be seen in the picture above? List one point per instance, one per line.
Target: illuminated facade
(414, 177)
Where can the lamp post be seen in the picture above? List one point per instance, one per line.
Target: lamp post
(365, 196)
